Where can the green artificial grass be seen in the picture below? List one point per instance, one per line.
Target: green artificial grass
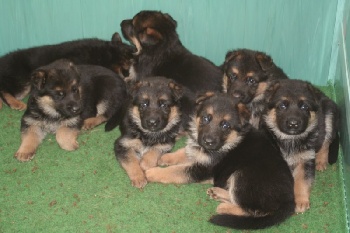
(87, 191)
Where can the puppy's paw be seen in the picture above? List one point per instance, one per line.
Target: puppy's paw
(18, 105)
(139, 181)
(89, 123)
(152, 174)
(147, 164)
(301, 206)
(321, 166)
(69, 145)
(24, 156)
(167, 160)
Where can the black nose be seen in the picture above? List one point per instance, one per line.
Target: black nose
(74, 108)
(152, 122)
(293, 124)
(209, 141)
(238, 95)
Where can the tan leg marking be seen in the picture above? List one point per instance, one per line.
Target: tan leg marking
(13, 102)
(173, 158)
(322, 157)
(219, 194)
(170, 175)
(150, 159)
(0, 103)
(67, 138)
(92, 122)
(230, 208)
(31, 139)
(132, 167)
(301, 189)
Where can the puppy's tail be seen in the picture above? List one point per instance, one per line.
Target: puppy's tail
(333, 150)
(250, 222)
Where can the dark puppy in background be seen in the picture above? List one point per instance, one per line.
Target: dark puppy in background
(251, 179)
(247, 74)
(151, 123)
(161, 53)
(303, 121)
(64, 99)
(16, 67)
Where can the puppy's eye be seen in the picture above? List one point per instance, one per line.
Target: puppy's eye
(143, 105)
(251, 81)
(60, 93)
(304, 107)
(206, 119)
(163, 105)
(232, 76)
(282, 106)
(225, 125)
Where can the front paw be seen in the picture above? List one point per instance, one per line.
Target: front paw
(152, 175)
(24, 156)
(69, 146)
(301, 206)
(138, 181)
(321, 166)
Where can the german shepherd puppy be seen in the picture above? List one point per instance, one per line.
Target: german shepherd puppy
(247, 74)
(251, 178)
(161, 53)
(16, 67)
(151, 123)
(64, 99)
(303, 121)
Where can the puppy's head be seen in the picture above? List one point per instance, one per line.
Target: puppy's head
(149, 29)
(57, 89)
(245, 74)
(219, 122)
(292, 108)
(155, 104)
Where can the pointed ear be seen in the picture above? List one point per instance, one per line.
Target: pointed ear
(176, 89)
(116, 39)
(38, 79)
(264, 60)
(203, 97)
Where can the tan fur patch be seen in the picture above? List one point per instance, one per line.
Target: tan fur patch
(261, 89)
(225, 83)
(47, 104)
(132, 167)
(170, 175)
(31, 139)
(219, 194)
(13, 102)
(231, 142)
(250, 74)
(302, 189)
(231, 209)
(92, 122)
(322, 157)
(235, 70)
(174, 158)
(150, 158)
(67, 138)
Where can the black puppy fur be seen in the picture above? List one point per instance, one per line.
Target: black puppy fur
(251, 179)
(16, 67)
(247, 75)
(161, 53)
(303, 121)
(64, 99)
(151, 124)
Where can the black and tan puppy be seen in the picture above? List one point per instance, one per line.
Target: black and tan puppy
(251, 179)
(16, 67)
(161, 53)
(303, 121)
(247, 74)
(150, 126)
(65, 98)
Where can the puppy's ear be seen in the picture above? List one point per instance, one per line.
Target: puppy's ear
(176, 89)
(116, 39)
(231, 55)
(203, 97)
(264, 60)
(171, 20)
(38, 79)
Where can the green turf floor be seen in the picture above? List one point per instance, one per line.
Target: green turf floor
(87, 191)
